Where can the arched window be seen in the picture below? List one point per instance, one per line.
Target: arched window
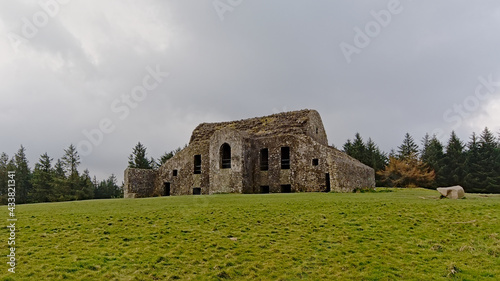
(225, 156)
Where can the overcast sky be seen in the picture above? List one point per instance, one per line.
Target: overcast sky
(151, 71)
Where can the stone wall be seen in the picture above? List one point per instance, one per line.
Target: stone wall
(185, 180)
(228, 180)
(303, 175)
(313, 167)
(139, 183)
(349, 173)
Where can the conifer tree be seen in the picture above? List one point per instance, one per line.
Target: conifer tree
(42, 180)
(358, 149)
(70, 162)
(114, 190)
(473, 169)
(109, 189)
(376, 158)
(489, 155)
(408, 149)
(4, 169)
(432, 154)
(86, 187)
(453, 162)
(23, 176)
(138, 158)
(167, 155)
(59, 169)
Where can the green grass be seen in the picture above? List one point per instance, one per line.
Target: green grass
(407, 234)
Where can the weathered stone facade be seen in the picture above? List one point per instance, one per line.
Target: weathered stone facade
(139, 182)
(285, 152)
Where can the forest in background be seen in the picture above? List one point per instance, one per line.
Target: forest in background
(475, 165)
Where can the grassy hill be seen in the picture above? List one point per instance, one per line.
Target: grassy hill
(404, 234)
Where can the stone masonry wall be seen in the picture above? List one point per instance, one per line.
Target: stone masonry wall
(228, 180)
(183, 163)
(139, 183)
(350, 173)
(303, 176)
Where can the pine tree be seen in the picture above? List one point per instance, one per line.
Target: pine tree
(23, 176)
(109, 189)
(489, 155)
(408, 149)
(70, 162)
(473, 169)
(153, 163)
(4, 169)
(432, 154)
(358, 149)
(453, 162)
(347, 147)
(165, 157)
(168, 155)
(86, 187)
(138, 158)
(42, 180)
(114, 190)
(95, 183)
(376, 158)
(60, 183)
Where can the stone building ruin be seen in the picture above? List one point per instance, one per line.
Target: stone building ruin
(280, 153)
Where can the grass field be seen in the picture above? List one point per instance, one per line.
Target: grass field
(404, 234)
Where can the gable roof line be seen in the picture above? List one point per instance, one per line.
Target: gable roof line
(291, 122)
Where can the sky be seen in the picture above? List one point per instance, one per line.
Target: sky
(104, 75)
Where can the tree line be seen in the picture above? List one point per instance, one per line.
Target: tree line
(475, 165)
(139, 159)
(52, 182)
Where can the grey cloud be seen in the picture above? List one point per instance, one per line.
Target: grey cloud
(265, 56)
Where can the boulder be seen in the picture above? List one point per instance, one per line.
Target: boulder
(452, 192)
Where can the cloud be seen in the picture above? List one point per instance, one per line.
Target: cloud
(264, 56)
